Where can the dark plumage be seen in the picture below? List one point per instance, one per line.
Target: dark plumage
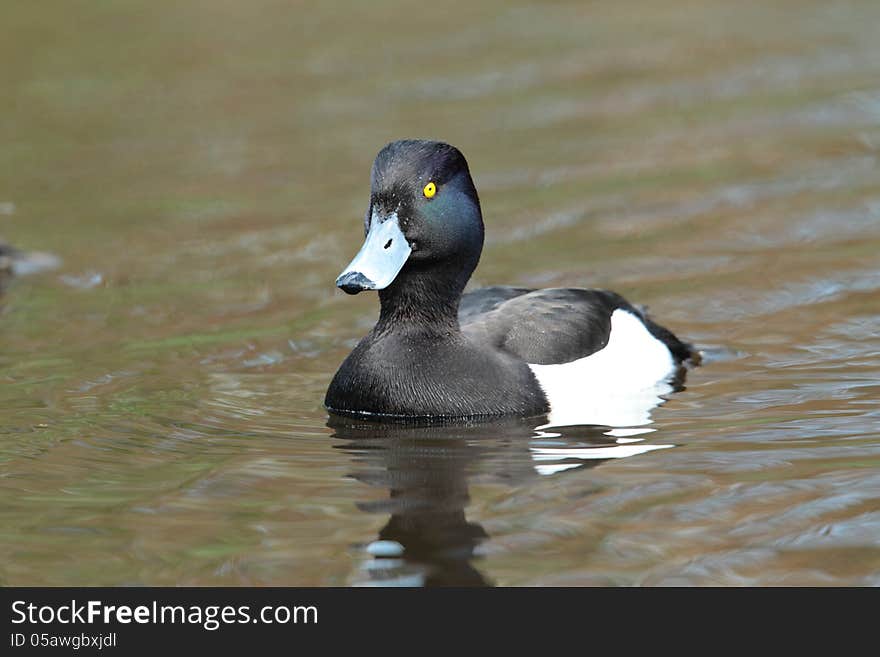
(435, 353)
(552, 325)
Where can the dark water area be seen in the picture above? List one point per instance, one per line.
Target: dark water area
(202, 170)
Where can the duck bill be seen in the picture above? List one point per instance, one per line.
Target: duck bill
(380, 259)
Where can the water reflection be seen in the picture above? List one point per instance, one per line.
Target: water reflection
(428, 539)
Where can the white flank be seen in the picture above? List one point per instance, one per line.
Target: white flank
(617, 386)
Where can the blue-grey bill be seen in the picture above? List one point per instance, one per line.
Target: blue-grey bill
(380, 259)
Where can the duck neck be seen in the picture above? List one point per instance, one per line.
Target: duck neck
(422, 299)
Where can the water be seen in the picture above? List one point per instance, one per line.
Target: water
(202, 171)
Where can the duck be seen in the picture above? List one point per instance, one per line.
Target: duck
(439, 354)
(15, 262)
(7, 253)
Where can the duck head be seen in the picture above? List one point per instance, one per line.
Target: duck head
(423, 222)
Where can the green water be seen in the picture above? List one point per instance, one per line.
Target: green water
(202, 169)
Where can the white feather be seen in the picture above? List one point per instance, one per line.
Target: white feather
(617, 386)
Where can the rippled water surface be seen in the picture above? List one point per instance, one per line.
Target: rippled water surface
(202, 171)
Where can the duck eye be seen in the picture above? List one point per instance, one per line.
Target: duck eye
(429, 190)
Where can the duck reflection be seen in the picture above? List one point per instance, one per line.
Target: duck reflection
(428, 540)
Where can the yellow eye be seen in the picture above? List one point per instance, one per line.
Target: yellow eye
(429, 190)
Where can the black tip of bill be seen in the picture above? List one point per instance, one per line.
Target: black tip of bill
(352, 282)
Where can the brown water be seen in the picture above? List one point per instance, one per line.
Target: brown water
(202, 169)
